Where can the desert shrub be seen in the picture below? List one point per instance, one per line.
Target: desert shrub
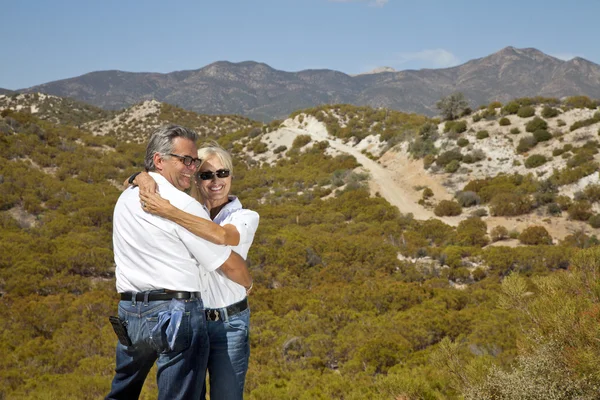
(504, 121)
(448, 156)
(301, 141)
(455, 126)
(526, 112)
(479, 274)
(535, 160)
(553, 209)
(560, 122)
(447, 208)
(452, 166)
(280, 149)
(515, 131)
(511, 108)
(467, 198)
(422, 147)
(585, 122)
(580, 102)
(535, 235)
(427, 193)
(499, 233)
(583, 157)
(489, 114)
(480, 212)
(526, 144)
(549, 112)
(594, 221)
(536, 124)
(592, 193)
(428, 160)
(483, 134)
(472, 232)
(564, 202)
(494, 104)
(476, 118)
(580, 210)
(510, 204)
(557, 152)
(462, 142)
(542, 135)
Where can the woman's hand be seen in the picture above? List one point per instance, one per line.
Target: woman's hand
(154, 204)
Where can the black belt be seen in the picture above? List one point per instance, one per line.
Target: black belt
(157, 296)
(216, 314)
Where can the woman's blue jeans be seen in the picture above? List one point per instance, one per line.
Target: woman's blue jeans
(180, 349)
(228, 358)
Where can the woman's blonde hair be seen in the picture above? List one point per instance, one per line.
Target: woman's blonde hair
(207, 150)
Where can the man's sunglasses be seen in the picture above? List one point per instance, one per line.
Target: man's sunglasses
(187, 160)
(208, 175)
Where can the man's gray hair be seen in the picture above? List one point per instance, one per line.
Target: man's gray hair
(161, 142)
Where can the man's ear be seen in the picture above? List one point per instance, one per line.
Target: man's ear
(158, 161)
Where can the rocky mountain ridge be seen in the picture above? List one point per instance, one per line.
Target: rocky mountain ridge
(260, 92)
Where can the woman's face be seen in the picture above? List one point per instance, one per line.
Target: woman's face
(214, 190)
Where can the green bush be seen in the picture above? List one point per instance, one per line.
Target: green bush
(580, 210)
(455, 126)
(462, 142)
(301, 141)
(542, 135)
(526, 112)
(534, 235)
(448, 156)
(483, 134)
(560, 122)
(452, 166)
(467, 198)
(499, 233)
(504, 121)
(515, 131)
(447, 208)
(580, 102)
(549, 112)
(510, 204)
(585, 122)
(427, 193)
(477, 117)
(526, 144)
(535, 160)
(536, 124)
(594, 221)
(511, 108)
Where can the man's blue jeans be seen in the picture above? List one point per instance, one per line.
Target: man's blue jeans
(229, 354)
(181, 361)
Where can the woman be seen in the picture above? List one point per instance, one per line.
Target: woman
(227, 312)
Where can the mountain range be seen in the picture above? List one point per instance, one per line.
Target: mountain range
(263, 93)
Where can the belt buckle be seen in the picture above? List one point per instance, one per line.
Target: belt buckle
(213, 315)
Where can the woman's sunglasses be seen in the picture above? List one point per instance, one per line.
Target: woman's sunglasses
(208, 175)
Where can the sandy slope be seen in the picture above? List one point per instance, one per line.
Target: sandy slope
(400, 179)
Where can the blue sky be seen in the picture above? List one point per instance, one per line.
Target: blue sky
(47, 40)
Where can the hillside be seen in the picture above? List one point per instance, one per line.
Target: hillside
(257, 91)
(363, 289)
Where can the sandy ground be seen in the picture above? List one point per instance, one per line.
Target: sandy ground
(400, 179)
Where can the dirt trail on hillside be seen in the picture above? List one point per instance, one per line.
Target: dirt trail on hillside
(394, 177)
(400, 179)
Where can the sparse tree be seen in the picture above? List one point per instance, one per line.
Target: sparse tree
(452, 106)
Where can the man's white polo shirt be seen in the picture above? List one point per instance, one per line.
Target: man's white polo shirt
(218, 290)
(154, 253)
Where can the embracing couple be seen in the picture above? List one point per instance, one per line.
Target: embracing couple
(181, 273)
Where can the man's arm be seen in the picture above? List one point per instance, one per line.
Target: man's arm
(235, 268)
(204, 228)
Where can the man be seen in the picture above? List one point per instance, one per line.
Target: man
(158, 275)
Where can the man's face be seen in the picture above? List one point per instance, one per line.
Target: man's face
(173, 168)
